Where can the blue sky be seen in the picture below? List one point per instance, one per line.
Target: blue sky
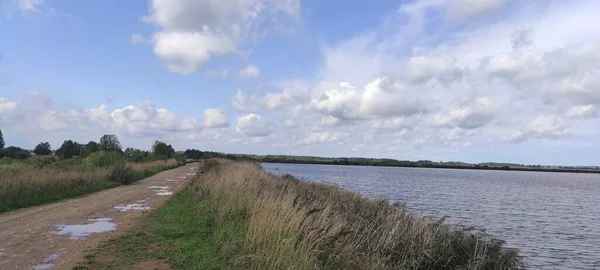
(468, 80)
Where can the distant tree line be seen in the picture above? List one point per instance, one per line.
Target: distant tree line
(108, 143)
(197, 154)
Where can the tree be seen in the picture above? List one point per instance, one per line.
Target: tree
(1, 140)
(136, 155)
(68, 149)
(162, 150)
(109, 143)
(16, 152)
(43, 149)
(89, 148)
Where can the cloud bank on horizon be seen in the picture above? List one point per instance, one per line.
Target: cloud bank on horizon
(469, 80)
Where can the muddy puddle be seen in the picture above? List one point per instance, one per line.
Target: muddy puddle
(133, 206)
(47, 264)
(162, 190)
(80, 231)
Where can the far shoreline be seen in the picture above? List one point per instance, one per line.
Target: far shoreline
(473, 167)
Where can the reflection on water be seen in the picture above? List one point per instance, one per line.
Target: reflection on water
(553, 218)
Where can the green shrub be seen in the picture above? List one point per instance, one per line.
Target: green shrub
(105, 159)
(180, 158)
(123, 174)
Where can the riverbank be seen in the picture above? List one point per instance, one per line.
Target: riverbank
(236, 215)
(29, 183)
(438, 166)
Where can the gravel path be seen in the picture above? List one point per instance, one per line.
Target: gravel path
(55, 236)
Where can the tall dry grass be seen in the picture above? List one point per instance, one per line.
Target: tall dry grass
(24, 184)
(291, 224)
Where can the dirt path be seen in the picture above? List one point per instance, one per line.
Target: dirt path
(41, 236)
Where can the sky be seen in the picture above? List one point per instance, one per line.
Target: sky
(444, 80)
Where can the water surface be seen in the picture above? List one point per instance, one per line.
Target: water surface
(553, 218)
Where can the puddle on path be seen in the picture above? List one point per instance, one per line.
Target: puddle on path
(43, 266)
(162, 190)
(47, 264)
(133, 206)
(171, 180)
(80, 231)
(144, 200)
(159, 187)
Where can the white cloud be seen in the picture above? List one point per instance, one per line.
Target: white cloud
(249, 72)
(192, 31)
(423, 69)
(30, 5)
(288, 96)
(214, 118)
(185, 52)
(469, 114)
(253, 125)
(542, 127)
(470, 8)
(7, 105)
(242, 103)
(383, 97)
(290, 123)
(325, 137)
(36, 117)
(584, 112)
(521, 39)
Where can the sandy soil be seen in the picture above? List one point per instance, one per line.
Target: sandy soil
(28, 237)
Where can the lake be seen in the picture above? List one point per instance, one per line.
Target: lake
(553, 218)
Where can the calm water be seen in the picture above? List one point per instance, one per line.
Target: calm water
(553, 218)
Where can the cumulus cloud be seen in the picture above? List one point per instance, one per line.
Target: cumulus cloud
(288, 96)
(325, 137)
(243, 103)
(542, 127)
(383, 97)
(36, 116)
(290, 123)
(190, 32)
(253, 125)
(521, 39)
(423, 69)
(249, 72)
(184, 52)
(583, 112)
(469, 114)
(414, 84)
(214, 118)
(7, 105)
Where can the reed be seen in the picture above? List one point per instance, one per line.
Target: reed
(292, 224)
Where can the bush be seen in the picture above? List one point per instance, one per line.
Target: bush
(16, 152)
(105, 159)
(180, 158)
(123, 174)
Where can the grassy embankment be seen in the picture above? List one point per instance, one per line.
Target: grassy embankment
(237, 216)
(39, 181)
